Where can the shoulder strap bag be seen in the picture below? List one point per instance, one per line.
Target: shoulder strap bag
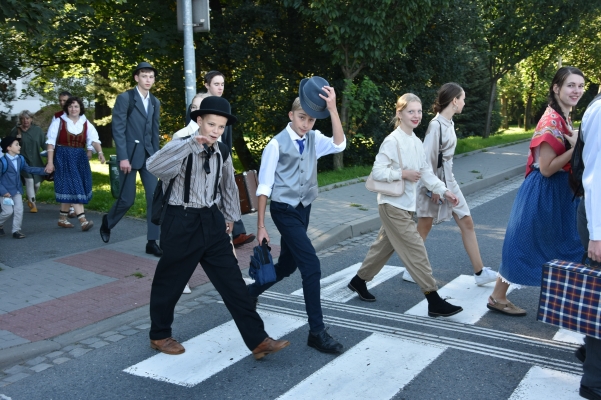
(394, 188)
(439, 147)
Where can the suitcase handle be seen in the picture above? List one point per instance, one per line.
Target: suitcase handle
(592, 264)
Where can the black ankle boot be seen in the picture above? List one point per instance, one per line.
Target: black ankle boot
(358, 285)
(438, 307)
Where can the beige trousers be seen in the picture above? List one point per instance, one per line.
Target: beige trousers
(399, 233)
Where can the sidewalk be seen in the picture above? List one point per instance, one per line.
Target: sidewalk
(61, 286)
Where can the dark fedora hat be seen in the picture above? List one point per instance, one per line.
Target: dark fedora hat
(144, 65)
(215, 105)
(308, 92)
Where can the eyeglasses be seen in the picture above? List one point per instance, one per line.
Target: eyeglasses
(207, 166)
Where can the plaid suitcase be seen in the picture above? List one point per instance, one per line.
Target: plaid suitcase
(569, 298)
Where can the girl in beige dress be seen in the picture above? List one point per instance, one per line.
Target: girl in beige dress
(449, 101)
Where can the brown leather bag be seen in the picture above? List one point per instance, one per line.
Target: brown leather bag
(247, 183)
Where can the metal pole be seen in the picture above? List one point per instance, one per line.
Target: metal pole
(189, 63)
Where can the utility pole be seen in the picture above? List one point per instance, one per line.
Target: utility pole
(189, 59)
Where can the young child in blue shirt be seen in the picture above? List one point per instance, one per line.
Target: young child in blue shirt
(289, 176)
(11, 188)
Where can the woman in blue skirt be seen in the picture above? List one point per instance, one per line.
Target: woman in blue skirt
(71, 139)
(542, 223)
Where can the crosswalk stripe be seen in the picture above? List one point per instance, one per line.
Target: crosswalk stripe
(394, 361)
(543, 383)
(423, 321)
(334, 287)
(564, 335)
(210, 352)
(461, 291)
(465, 345)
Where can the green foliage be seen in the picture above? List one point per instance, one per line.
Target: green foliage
(515, 29)
(362, 102)
(371, 52)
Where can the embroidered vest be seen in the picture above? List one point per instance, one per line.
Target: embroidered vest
(66, 138)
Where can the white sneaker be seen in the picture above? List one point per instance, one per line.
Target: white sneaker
(407, 277)
(187, 289)
(487, 276)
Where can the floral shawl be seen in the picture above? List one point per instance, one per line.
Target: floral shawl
(550, 129)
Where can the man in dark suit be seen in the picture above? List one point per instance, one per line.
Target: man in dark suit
(215, 84)
(136, 136)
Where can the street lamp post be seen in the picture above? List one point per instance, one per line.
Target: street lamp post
(189, 60)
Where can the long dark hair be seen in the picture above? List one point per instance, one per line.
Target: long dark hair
(560, 77)
(445, 96)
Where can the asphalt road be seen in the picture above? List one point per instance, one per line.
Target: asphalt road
(390, 352)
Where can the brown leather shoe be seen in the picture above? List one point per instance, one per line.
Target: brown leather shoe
(269, 346)
(167, 346)
(242, 239)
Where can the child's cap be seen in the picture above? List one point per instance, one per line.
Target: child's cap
(308, 92)
(6, 142)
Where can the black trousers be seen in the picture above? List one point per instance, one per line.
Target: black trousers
(193, 236)
(592, 363)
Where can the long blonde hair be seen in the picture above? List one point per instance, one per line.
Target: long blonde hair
(401, 104)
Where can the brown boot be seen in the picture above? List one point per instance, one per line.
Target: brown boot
(85, 224)
(269, 346)
(167, 346)
(63, 222)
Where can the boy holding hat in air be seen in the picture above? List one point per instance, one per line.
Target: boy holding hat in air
(202, 207)
(288, 175)
(11, 188)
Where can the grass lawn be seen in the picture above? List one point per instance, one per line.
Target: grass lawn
(102, 199)
(513, 134)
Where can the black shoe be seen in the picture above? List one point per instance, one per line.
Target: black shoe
(358, 285)
(153, 248)
(581, 353)
(438, 307)
(324, 342)
(18, 235)
(590, 393)
(105, 232)
(2, 232)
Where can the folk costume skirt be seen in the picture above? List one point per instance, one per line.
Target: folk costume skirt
(542, 227)
(73, 176)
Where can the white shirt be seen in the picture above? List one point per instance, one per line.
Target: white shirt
(591, 178)
(413, 157)
(73, 128)
(187, 131)
(271, 154)
(145, 100)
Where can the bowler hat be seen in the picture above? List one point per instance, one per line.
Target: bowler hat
(308, 92)
(144, 65)
(215, 105)
(6, 142)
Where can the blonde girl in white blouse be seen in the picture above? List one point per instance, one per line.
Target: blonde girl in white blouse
(449, 101)
(399, 232)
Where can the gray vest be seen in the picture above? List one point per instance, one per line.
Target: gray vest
(296, 174)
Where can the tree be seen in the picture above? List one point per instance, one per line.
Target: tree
(583, 48)
(514, 29)
(361, 34)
